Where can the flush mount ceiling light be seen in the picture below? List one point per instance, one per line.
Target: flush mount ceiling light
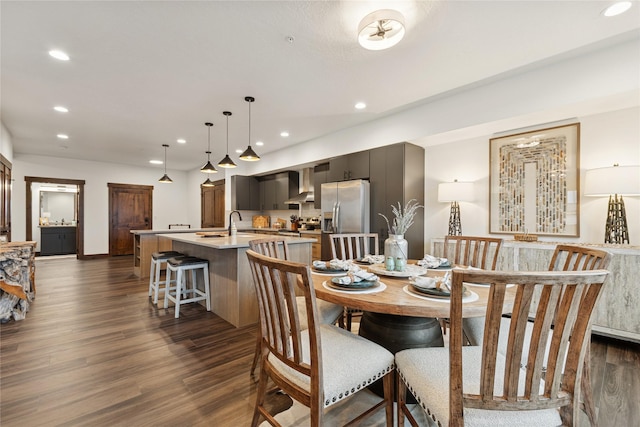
(249, 155)
(617, 8)
(208, 167)
(227, 162)
(61, 109)
(381, 29)
(165, 178)
(58, 54)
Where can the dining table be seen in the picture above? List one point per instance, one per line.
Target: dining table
(396, 315)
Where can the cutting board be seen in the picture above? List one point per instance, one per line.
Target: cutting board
(260, 221)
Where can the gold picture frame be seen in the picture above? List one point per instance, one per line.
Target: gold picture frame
(534, 182)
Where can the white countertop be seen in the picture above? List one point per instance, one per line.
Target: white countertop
(241, 240)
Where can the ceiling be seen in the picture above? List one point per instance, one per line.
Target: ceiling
(145, 73)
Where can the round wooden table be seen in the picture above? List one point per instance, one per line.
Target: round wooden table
(398, 320)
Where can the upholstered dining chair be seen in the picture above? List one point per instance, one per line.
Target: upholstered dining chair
(318, 366)
(277, 247)
(476, 252)
(564, 258)
(353, 246)
(487, 388)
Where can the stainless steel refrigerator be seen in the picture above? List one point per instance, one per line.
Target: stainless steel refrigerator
(345, 209)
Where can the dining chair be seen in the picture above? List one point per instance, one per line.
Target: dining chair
(470, 251)
(277, 247)
(318, 366)
(474, 385)
(352, 246)
(564, 258)
(478, 252)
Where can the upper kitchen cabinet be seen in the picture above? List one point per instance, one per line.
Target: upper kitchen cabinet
(397, 175)
(276, 188)
(350, 166)
(320, 176)
(245, 193)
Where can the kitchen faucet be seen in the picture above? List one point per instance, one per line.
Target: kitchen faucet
(239, 217)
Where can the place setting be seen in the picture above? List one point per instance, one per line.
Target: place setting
(356, 280)
(436, 289)
(334, 267)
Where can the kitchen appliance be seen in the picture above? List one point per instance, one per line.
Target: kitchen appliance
(345, 209)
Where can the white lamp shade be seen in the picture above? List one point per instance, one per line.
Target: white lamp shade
(456, 192)
(622, 180)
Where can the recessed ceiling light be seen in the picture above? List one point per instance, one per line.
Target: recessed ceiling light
(61, 109)
(181, 141)
(360, 106)
(62, 136)
(58, 54)
(259, 143)
(156, 162)
(284, 134)
(617, 8)
(239, 151)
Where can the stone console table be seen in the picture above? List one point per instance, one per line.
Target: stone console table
(617, 313)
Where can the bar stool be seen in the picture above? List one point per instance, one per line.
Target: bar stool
(157, 259)
(180, 265)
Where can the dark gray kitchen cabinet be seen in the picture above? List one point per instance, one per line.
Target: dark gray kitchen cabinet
(350, 166)
(245, 193)
(57, 240)
(320, 176)
(277, 188)
(397, 175)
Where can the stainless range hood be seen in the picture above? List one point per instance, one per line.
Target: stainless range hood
(306, 190)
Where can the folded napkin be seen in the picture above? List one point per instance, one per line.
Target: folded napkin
(424, 282)
(373, 259)
(357, 276)
(431, 261)
(334, 264)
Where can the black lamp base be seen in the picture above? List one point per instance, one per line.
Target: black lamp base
(455, 226)
(616, 230)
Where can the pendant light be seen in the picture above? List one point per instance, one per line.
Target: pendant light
(208, 183)
(227, 162)
(165, 178)
(208, 167)
(249, 155)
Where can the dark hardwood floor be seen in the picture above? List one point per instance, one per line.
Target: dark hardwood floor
(95, 351)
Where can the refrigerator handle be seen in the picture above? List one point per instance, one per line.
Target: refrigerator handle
(334, 218)
(337, 218)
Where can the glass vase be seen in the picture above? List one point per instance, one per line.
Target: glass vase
(396, 246)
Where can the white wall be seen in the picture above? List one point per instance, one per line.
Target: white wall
(170, 201)
(607, 138)
(6, 145)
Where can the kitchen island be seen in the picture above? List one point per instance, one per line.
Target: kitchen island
(232, 293)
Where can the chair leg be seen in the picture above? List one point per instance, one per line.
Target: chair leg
(401, 397)
(179, 287)
(167, 286)
(207, 292)
(260, 396)
(387, 386)
(256, 355)
(585, 388)
(151, 276)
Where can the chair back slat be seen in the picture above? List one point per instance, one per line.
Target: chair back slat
(479, 252)
(274, 247)
(564, 310)
(354, 245)
(579, 258)
(276, 281)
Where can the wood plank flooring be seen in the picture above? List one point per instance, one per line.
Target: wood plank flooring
(94, 351)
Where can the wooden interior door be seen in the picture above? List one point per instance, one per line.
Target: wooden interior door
(212, 205)
(130, 208)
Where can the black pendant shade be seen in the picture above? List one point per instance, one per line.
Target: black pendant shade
(165, 178)
(227, 162)
(208, 167)
(208, 183)
(249, 155)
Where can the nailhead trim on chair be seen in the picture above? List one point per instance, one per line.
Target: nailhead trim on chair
(333, 399)
(420, 402)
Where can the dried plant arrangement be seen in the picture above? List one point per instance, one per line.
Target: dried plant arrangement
(403, 218)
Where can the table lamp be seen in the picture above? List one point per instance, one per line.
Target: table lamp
(614, 181)
(455, 192)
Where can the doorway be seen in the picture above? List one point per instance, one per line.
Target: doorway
(130, 208)
(212, 205)
(32, 210)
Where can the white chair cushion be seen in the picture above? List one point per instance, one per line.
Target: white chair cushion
(327, 312)
(349, 362)
(426, 373)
